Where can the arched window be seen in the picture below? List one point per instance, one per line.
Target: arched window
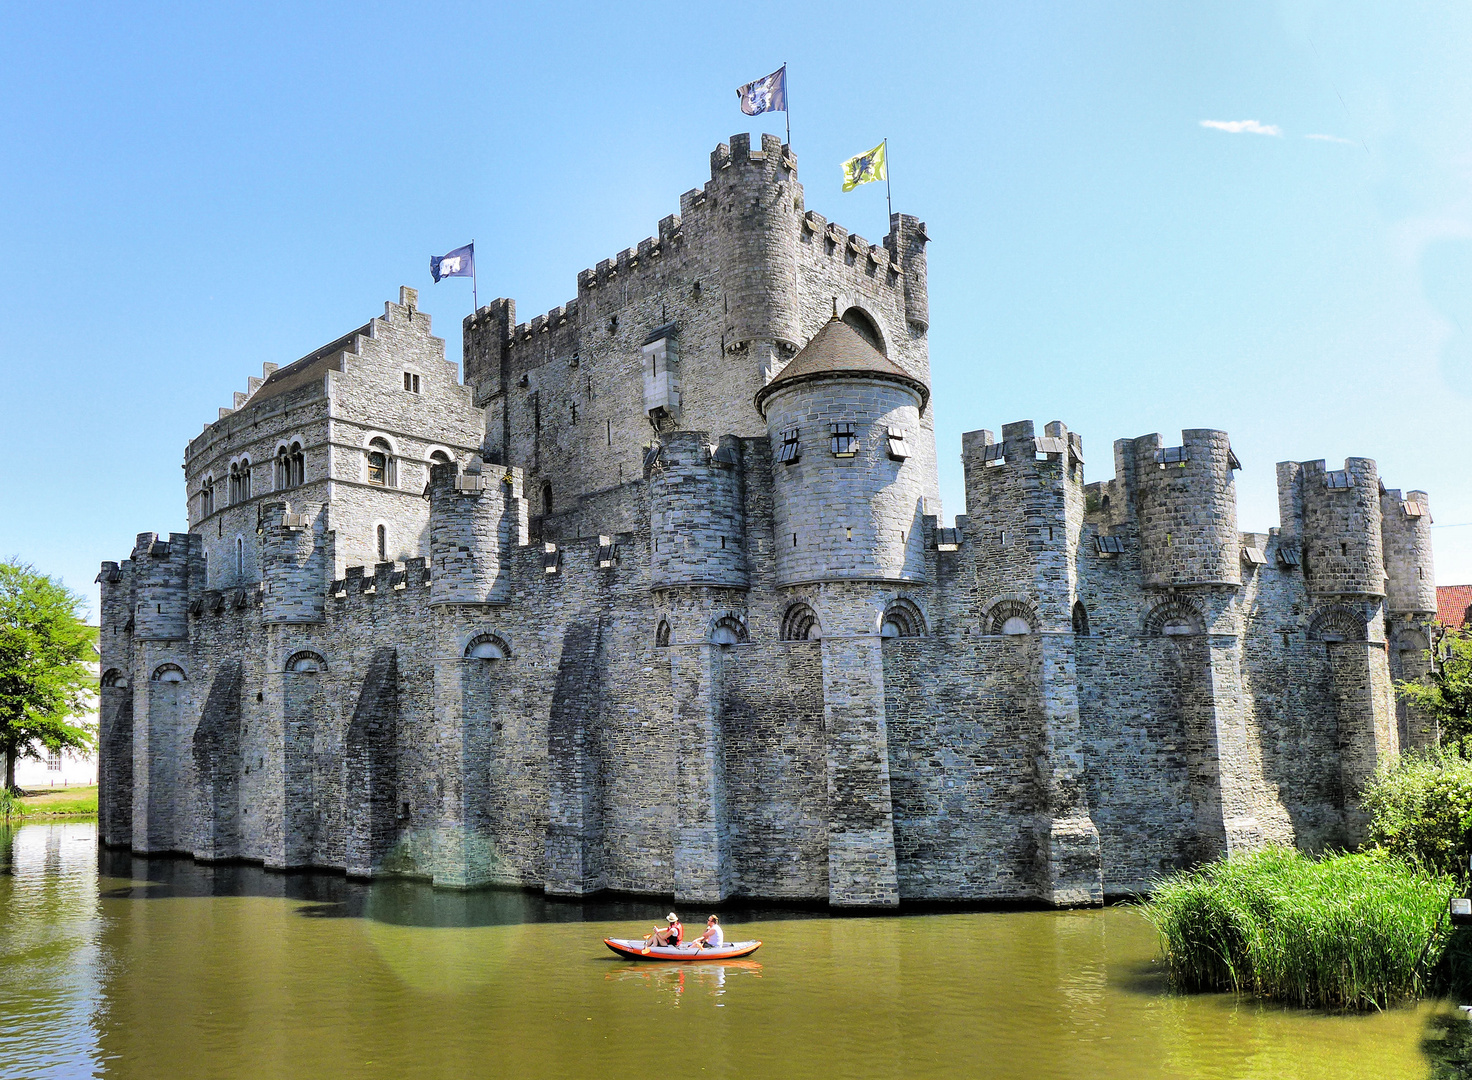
(439, 457)
(290, 466)
(244, 479)
(282, 479)
(168, 673)
(546, 496)
(1174, 618)
(859, 319)
(383, 543)
(1080, 619)
(487, 647)
(234, 482)
(662, 634)
(381, 468)
(800, 623)
(902, 619)
(207, 497)
(1012, 617)
(305, 662)
(728, 630)
(298, 465)
(114, 677)
(239, 557)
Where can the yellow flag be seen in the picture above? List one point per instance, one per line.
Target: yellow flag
(864, 168)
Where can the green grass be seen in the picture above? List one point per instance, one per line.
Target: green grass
(60, 802)
(1343, 931)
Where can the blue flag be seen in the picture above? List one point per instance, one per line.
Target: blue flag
(768, 94)
(458, 263)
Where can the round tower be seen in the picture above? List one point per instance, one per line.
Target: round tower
(697, 526)
(472, 522)
(1186, 503)
(757, 199)
(294, 577)
(848, 497)
(1341, 529)
(1405, 528)
(161, 587)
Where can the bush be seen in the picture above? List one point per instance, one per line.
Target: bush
(1421, 809)
(1343, 931)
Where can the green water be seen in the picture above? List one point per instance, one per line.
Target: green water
(165, 968)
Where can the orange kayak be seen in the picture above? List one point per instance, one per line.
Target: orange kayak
(634, 949)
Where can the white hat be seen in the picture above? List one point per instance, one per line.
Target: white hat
(672, 917)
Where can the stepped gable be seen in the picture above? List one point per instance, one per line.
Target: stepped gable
(309, 367)
(837, 349)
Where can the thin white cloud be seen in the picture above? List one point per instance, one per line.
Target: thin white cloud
(1237, 127)
(1331, 138)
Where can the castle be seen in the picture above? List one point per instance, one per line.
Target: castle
(658, 600)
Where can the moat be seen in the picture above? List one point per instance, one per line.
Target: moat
(168, 967)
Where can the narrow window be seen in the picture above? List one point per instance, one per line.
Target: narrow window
(244, 479)
(1344, 549)
(610, 432)
(383, 543)
(298, 465)
(282, 478)
(379, 462)
(574, 412)
(899, 450)
(794, 539)
(844, 442)
(790, 451)
(547, 497)
(239, 557)
(848, 533)
(411, 382)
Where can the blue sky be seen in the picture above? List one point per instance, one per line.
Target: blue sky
(190, 191)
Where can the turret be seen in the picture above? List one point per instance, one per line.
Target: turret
(161, 571)
(1405, 529)
(1024, 506)
(756, 197)
(1185, 501)
(697, 526)
(294, 574)
(475, 518)
(847, 494)
(906, 241)
(1334, 515)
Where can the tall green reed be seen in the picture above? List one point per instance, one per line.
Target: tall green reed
(1343, 931)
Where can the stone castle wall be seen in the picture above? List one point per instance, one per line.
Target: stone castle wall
(639, 685)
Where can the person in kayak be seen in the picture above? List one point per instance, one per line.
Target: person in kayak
(713, 938)
(669, 936)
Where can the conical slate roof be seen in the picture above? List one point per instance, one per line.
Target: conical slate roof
(835, 351)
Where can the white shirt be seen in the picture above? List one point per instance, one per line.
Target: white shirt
(715, 938)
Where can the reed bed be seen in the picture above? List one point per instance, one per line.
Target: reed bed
(1342, 931)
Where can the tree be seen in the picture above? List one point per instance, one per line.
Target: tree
(1445, 694)
(46, 673)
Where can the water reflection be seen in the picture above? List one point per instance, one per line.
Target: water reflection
(168, 968)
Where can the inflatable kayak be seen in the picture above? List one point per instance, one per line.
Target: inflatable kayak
(634, 949)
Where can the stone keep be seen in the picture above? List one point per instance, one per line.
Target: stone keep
(658, 599)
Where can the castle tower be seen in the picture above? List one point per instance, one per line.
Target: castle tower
(161, 586)
(1185, 501)
(1410, 603)
(1405, 527)
(756, 196)
(294, 570)
(1025, 507)
(848, 505)
(1333, 515)
(847, 498)
(115, 704)
(475, 518)
(696, 521)
(906, 241)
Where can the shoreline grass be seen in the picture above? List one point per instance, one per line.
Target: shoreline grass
(1341, 931)
(58, 802)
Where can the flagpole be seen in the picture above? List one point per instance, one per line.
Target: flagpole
(475, 283)
(888, 202)
(786, 105)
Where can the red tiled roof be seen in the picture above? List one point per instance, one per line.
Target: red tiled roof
(1452, 604)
